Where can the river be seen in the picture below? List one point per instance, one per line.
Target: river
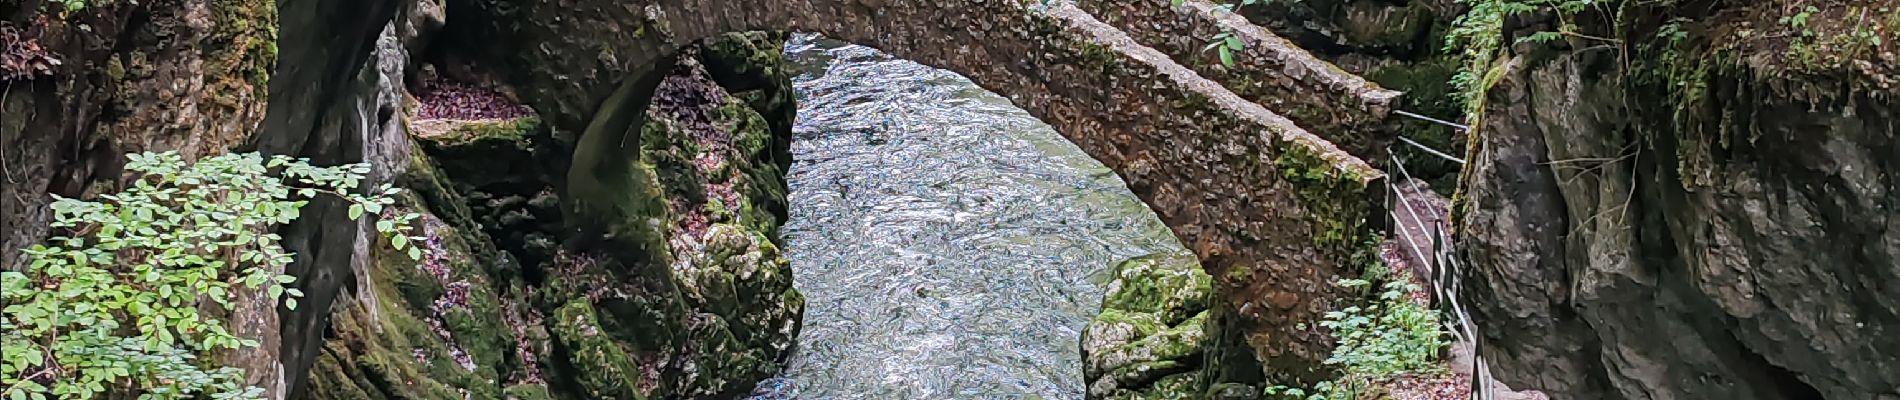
(949, 244)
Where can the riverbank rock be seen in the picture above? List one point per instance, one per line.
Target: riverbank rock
(1149, 340)
(1712, 218)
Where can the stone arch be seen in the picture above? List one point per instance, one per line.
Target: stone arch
(1273, 211)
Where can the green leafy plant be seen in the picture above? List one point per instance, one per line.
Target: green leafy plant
(127, 297)
(1392, 336)
(70, 5)
(1799, 21)
(1226, 43)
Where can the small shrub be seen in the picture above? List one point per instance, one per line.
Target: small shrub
(1390, 337)
(1393, 335)
(114, 304)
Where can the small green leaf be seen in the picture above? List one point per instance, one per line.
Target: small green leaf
(399, 241)
(1234, 43)
(356, 211)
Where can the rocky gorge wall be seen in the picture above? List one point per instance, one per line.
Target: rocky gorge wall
(1704, 210)
(508, 303)
(514, 302)
(81, 87)
(1703, 217)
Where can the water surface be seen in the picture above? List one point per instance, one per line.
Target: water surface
(944, 238)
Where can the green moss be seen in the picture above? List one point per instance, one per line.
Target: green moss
(513, 131)
(1144, 322)
(1150, 335)
(1180, 341)
(527, 392)
(600, 365)
(1319, 184)
(1171, 285)
(241, 49)
(622, 317)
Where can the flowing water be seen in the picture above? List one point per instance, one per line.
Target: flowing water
(949, 244)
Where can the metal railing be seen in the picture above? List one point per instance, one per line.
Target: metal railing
(1436, 255)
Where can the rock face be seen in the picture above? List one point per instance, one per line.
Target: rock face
(81, 88)
(1150, 339)
(512, 302)
(1714, 219)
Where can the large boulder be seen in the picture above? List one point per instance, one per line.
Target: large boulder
(1150, 339)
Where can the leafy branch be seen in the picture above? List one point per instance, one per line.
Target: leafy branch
(118, 301)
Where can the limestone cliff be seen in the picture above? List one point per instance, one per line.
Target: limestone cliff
(1690, 202)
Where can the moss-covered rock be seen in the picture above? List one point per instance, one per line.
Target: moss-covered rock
(1149, 340)
(682, 294)
(438, 328)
